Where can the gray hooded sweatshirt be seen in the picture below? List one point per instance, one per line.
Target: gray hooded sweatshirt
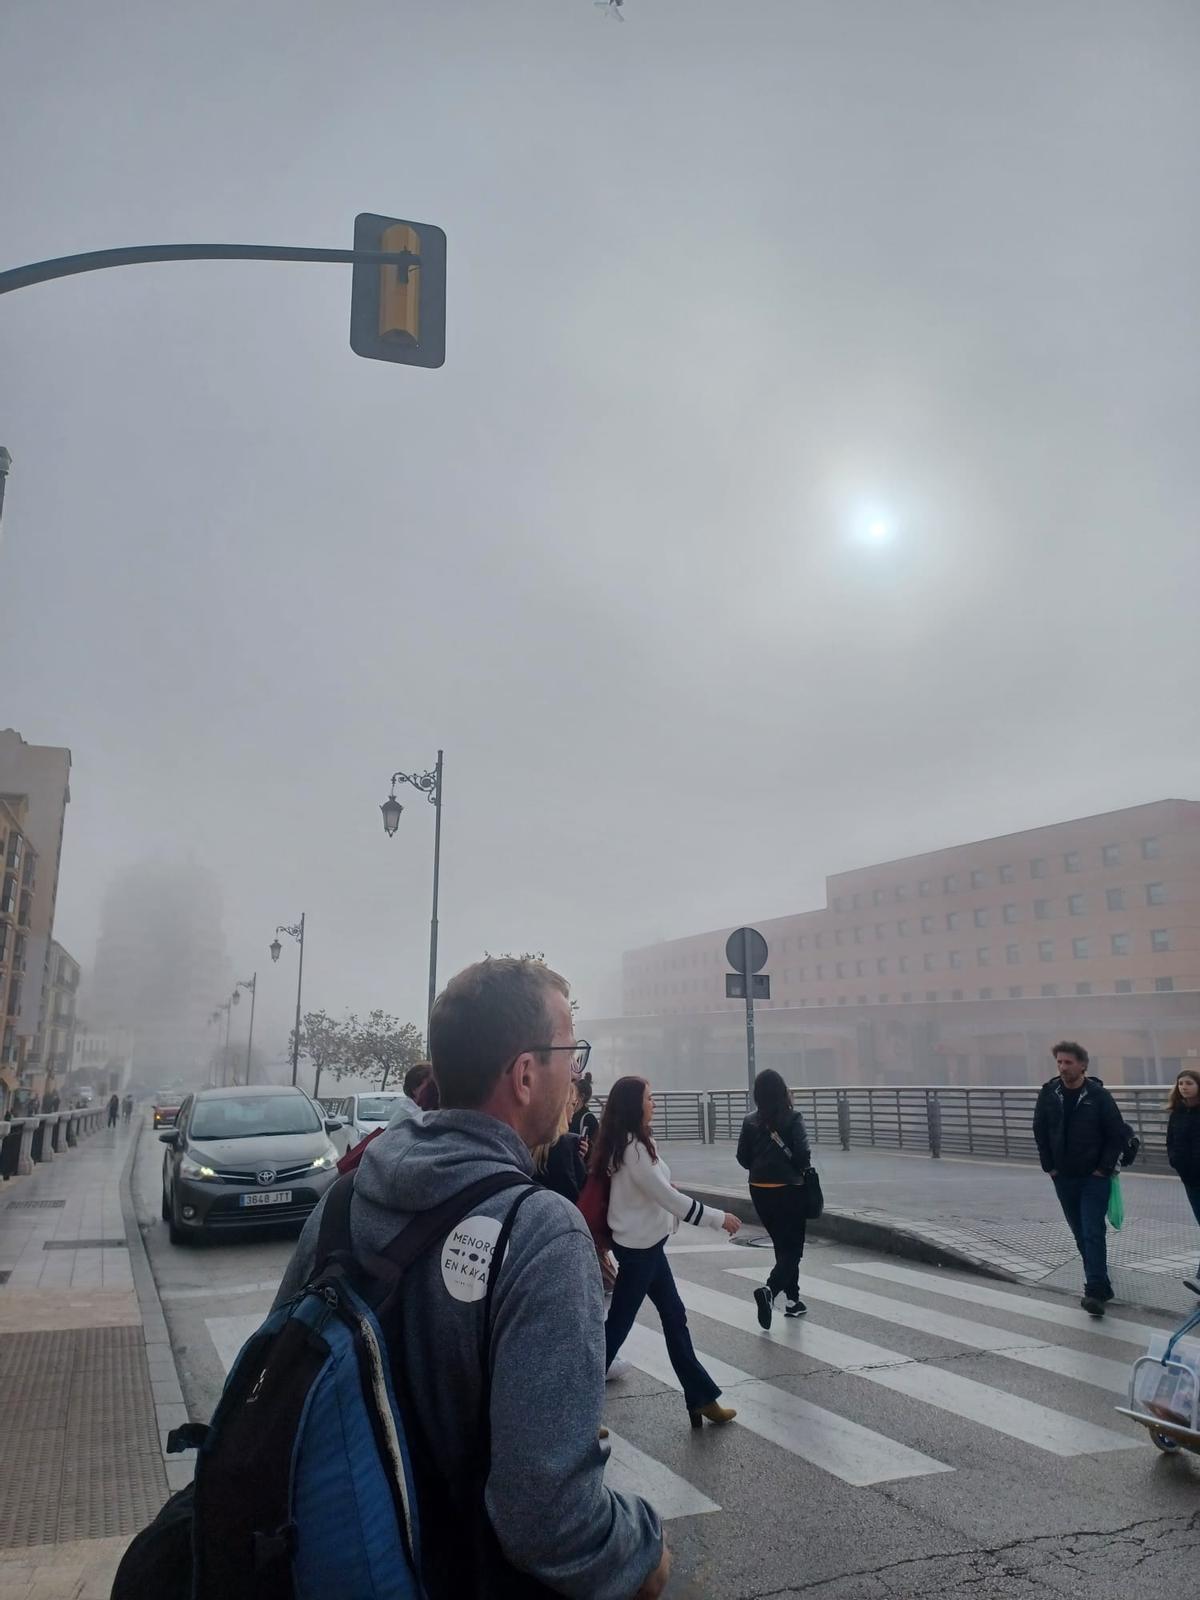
(546, 1499)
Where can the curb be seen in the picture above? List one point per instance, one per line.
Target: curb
(868, 1233)
(169, 1408)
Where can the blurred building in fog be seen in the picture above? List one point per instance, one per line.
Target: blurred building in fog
(161, 966)
(961, 966)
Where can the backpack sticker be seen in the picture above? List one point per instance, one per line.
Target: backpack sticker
(467, 1257)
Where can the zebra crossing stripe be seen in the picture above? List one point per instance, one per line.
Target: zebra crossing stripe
(1063, 1316)
(632, 1471)
(966, 1398)
(229, 1334)
(835, 1444)
(1112, 1376)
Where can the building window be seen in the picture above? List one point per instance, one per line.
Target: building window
(787, 944)
(1150, 850)
(858, 936)
(902, 964)
(983, 957)
(1114, 899)
(1081, 949)
(1164, 985)
(978, 879)
(859, 969)
(981, 917)
(1156, 894)
(930, 963)
(884, 999)
(1037, 867)
(907, 998)
(1112, 855)
(817, 941)
(953, 918)
(1045, 949)
(820, 973)
(843, 999)
(925, 887)
(1076, 905)
(837, 936)
(800, 974)
(1012, 955)
(1049, 990)
(881, 965)
(841, 969)
(877, 897)
(1083, 988)
(1010, 912)
(1123, 986)
(956, 994)
(931, 995)
(1120, 943)
(902, 928)
(985, 994)
(949, 883)
(1072, 862)
(1015, 991)
(1041, 910)
(862, 1000)
(880, 932)
(926, 924)
(799, 941)
(1008, 874)
(901, 891)
(956, 959)
(1160, 939)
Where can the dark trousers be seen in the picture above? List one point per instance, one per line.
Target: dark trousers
(1192, 1190)
(1085, 1202)
(646, 1275)
(781, 1212)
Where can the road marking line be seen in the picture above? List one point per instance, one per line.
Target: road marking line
(835, 1444)
(229, 1334)
(980, 1403)
(1112, 1376)
(632, 1471)
(214, 1291)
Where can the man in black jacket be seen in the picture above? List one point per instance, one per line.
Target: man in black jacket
(1080, 1134)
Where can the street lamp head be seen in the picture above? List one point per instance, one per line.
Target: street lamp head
(276, 949)
(236, 998)
(391, 809)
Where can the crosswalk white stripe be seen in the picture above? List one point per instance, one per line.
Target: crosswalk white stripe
(835, 1444)
(963, 1397)
(632, 1471)
(979, 1294)
(1026, 1348)
(229, 1334)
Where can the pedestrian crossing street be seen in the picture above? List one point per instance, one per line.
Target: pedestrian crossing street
(861, 1441)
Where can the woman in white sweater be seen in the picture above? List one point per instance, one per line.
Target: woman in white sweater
(644, 1209)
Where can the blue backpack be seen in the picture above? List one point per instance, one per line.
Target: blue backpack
(305, 1486)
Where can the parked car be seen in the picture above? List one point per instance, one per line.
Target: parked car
(363, 1113)
(237, 1158)
(166, 1107)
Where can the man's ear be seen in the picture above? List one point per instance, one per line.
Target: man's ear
(522, 1078)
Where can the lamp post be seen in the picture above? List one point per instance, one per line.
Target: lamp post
(251, 984)
(294, 931)
(227, 1008)
(430, 785)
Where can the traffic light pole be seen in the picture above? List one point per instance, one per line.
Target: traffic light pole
(139, 254)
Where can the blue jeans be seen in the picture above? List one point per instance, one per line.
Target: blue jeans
(646, 1275)
(1085, 1202)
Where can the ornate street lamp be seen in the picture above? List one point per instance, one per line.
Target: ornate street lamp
(430, 785)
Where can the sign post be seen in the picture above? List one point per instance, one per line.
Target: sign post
(746, 952)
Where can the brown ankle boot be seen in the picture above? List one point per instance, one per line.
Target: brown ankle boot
(714, 1412)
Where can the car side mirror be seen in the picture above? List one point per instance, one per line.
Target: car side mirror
(333, 1124)
(171, 1138)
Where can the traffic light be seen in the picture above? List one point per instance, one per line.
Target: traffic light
(398, 313)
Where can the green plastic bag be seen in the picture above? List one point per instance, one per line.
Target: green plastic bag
(1116, 1204)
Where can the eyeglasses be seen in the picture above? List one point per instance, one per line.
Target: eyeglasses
(581, 1050)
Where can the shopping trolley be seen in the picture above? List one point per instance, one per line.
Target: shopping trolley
(1164, 1387)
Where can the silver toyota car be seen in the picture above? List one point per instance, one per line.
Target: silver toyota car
(238, 1158)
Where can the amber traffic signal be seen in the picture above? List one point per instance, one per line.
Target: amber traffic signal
(398, 312)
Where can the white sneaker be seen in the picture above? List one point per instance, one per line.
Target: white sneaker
(619, 1369)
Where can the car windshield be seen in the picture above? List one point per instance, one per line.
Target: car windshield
(377, 1107)
(251, 1116)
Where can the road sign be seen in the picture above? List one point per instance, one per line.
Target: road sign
(736, 950)
(735, 986)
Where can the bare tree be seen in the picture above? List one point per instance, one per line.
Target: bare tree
(328, 1044)
(384, 1047)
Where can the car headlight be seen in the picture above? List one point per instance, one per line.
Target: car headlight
(192, 1169)
(324, 1162)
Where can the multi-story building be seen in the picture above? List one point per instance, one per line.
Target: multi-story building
(58, 1039)
(18, 869)
(1105, 908)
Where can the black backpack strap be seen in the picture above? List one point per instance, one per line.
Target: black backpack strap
(333, 1233)
(429, 1227)
(494, 1272)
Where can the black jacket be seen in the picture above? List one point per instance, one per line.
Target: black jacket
(1091, 1140)
(1183, 1143)
(769, 1161)
(564, 1171)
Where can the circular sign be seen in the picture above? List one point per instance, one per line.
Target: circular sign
(735, 950)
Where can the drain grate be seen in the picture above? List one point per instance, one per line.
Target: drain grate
(35, 1205)
(85, 1244)
(79, 1418)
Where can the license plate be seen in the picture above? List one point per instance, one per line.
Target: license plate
(276, 1197)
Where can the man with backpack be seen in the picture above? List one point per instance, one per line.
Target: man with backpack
(498, 1337)
(1080, 1136)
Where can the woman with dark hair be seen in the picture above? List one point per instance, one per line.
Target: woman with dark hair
(1183, 1135)
(584, 1120)
(773, 1147)
(644, 1209)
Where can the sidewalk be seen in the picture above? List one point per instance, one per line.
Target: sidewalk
(82, 1411)
(1002, 1218)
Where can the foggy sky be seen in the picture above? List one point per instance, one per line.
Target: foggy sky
(723, 280)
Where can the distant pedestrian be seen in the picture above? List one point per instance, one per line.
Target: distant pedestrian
(127, 1107)
(584, 1120)
(1080, 1135)
(644, 1209)
(1183, 1135)
(773, 1147)
(114, 1110)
